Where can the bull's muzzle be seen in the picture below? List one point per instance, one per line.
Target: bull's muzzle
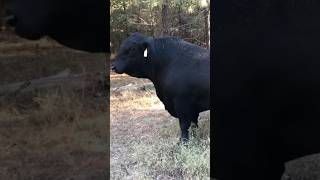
(113, 67)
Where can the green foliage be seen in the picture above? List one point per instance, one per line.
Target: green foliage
(187, 19)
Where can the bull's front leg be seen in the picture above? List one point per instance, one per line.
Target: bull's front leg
(186, 114)
(184, 127)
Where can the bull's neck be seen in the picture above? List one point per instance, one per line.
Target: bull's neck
(161, 55)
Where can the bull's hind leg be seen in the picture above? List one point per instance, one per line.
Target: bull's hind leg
(195, 123)
(186, 114)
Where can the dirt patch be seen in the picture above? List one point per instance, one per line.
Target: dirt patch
(304, 168)
(144, 136)
(55, 134)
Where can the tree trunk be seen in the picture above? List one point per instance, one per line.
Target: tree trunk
(207, 27)
(1, 14)
(124, 6)
(208, 22)
(165, 18)
(183, 24)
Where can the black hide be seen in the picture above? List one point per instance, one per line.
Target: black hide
(78, 24)
(266, 86)
(180, 72)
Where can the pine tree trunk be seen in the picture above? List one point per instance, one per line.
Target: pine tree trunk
(165, 18)
(1, 14)
(207, 27)
(208, 20)
(183, 28)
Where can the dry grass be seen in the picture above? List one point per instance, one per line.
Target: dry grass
(63, 137)
(144, 139)
(163, 157)
(54, 134)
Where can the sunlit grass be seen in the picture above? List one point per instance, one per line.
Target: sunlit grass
(165, 157)
(152, 150)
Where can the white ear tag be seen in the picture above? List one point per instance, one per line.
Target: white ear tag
(145, 53)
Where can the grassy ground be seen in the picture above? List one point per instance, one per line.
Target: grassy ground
(56, 134)
(62, 134)
(144, 138)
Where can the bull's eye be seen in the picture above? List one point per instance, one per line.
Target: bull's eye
(126, 52)
(133, 48)
(129, 50)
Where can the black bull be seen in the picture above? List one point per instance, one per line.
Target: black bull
(180, 72)
(266, 83)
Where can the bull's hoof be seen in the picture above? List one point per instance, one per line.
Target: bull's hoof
(194, 125)
(180, 143)
(183, 141)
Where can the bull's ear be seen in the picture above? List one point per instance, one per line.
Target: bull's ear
(147, 42)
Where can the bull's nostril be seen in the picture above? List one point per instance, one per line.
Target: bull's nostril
(113, 68)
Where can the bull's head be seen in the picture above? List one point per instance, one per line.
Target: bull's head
(133, 57)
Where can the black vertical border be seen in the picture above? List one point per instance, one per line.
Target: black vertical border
(212, 44)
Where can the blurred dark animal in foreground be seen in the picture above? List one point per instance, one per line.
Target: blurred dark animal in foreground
(80, 24)
(266, 86)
